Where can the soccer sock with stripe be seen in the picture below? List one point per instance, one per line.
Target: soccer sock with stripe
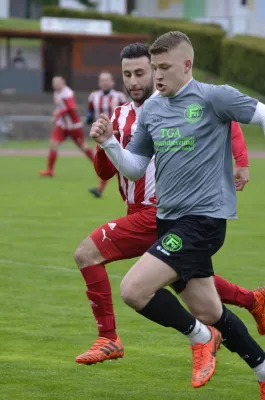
(100, 298)
(233, 294)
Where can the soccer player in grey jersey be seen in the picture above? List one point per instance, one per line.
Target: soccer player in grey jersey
(188, 129)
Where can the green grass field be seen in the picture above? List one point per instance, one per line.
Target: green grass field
(45, 317)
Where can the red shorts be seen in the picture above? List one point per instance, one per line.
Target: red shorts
(59, 134)
(127, 237)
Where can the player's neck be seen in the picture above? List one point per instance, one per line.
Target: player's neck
(184, 85)
(140, 103)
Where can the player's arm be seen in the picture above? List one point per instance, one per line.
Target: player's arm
(90, 110)
(69, 105)
(231, 105)
(133, 161)
(240, 154)
(239, 147)
(103, 166)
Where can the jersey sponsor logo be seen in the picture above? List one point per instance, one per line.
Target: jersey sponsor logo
(112, 225)
(156, 120)
(159, 248)
(104, 235)
(171, 140)
(193, 113)
(172, 243)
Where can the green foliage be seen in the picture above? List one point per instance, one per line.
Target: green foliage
(49, 2)
(243, 61)
(206, 39)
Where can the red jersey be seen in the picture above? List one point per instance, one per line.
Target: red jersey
(100, 103)
(142, 192)
(67, 116)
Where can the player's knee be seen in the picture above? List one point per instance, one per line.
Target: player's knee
(80, 256)
(131, 296)
(207, 315)
(87, 254)
(54, 145)
(83, 257)
(83, 147)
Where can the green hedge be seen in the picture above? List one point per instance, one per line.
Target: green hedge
(243, 61)
(206, 40)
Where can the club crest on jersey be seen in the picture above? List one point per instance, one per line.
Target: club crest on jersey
(193, 113)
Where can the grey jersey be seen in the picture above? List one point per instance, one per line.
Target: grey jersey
(190, 135)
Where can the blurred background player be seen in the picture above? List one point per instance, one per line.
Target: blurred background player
(129, 236)
(67, 123)
(104, 100)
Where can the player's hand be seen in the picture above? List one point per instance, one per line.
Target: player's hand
(241, 177)
(101, 130)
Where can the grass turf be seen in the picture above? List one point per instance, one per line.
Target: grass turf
(45, 317)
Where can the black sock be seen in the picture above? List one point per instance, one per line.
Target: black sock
(165, 309)
(237, 339)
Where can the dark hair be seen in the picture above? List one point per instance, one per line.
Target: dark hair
(135, 50)
(167, 41)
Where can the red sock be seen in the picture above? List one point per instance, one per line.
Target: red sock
(233, 294)
(100, 299)
(90, 154)
(102, 185)
(51, 159)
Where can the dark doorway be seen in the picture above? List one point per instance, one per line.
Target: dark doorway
(57, 60)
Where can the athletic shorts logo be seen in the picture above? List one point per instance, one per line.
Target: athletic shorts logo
(172, 243)
(193, 113)
(112, 225)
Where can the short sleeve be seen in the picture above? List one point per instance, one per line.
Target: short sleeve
(229, 104)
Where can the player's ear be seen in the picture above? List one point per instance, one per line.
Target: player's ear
(187, 65)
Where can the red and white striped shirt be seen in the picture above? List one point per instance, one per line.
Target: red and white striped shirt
(100, 103)
(142, 191)
(67, 116)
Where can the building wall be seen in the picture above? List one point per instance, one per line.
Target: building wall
(235, 16)
(4, 8)
(159, 8)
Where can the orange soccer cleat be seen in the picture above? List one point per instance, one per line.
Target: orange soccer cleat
(262, 390)
(258, 310)
(47, 173)
(103, 349)
(204, 359)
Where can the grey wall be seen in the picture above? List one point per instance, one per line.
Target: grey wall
(22, 81)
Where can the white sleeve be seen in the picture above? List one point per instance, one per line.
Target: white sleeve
(259, 116)
(132, 166)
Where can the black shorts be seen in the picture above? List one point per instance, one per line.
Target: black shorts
(187, 245)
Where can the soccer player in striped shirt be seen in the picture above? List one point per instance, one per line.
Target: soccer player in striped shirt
(104, 100)
(129, 236)
(67, 123)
